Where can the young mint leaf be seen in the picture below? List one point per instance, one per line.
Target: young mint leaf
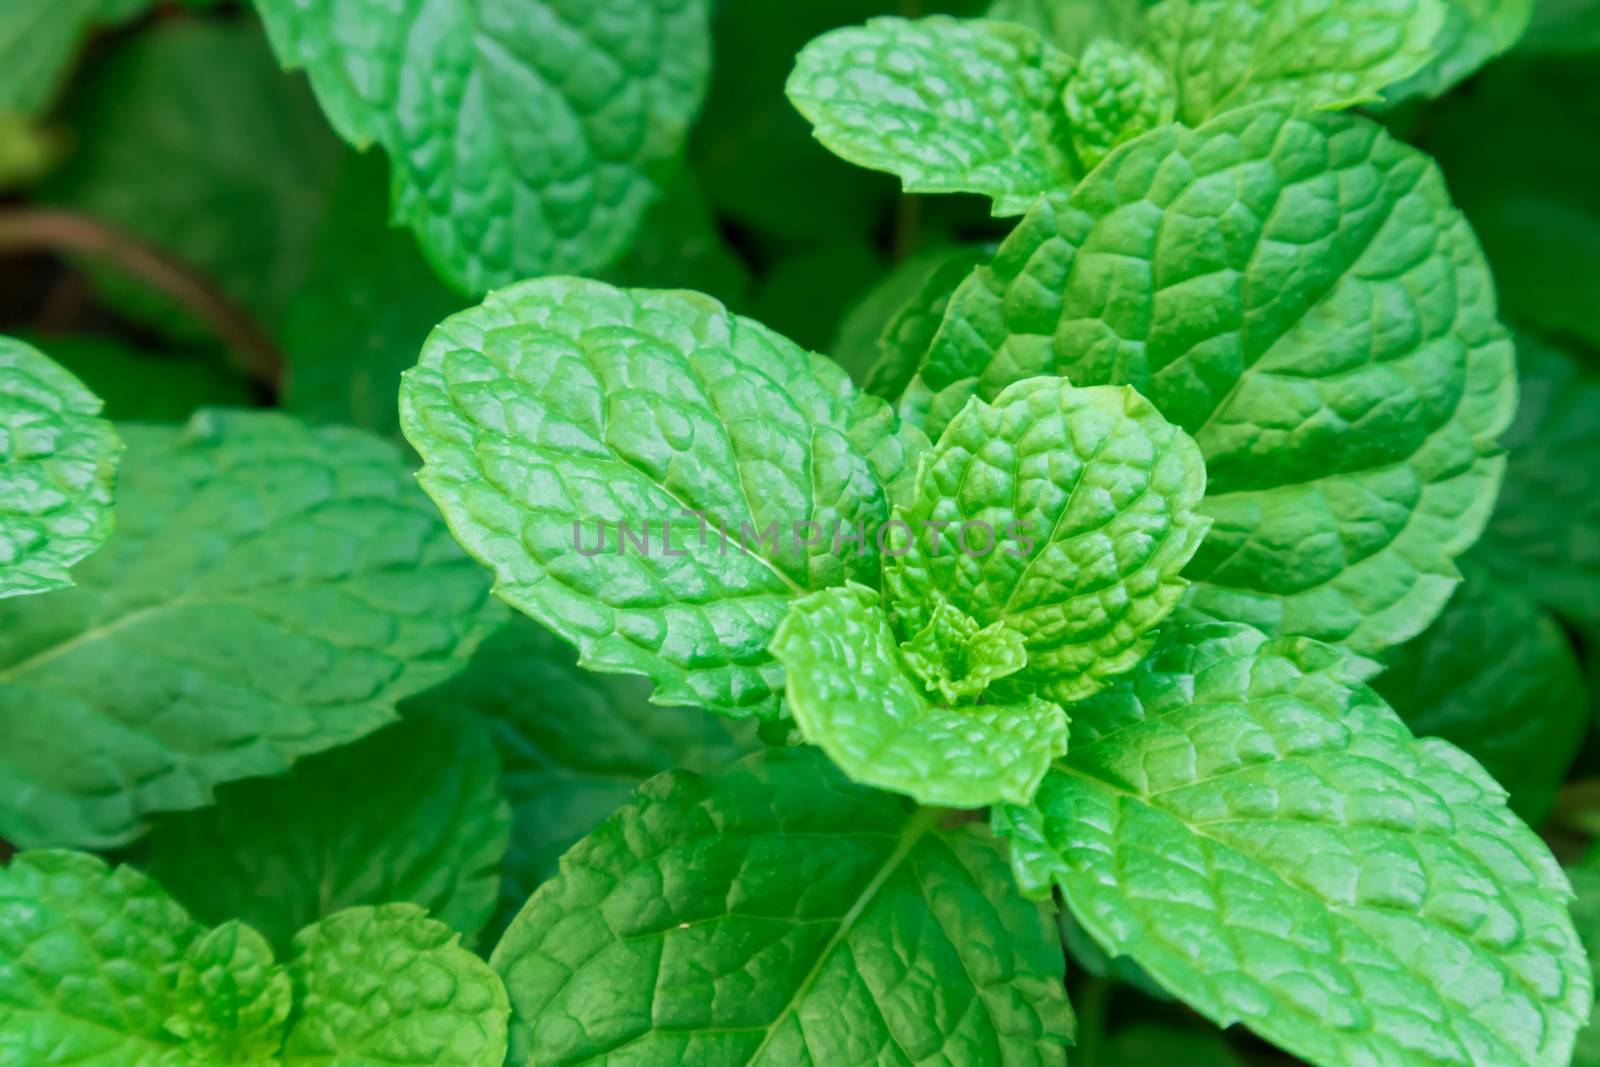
(1496, 676)
(1064, 514)
(1224, 54)
(389, 987)
(1116, 94)
(865, 702)
(778, 914)
(411, 814)
(272, 591)
(573, 746)
(1544, 537)
(949, 105)
(58, 464)
(233, 180)
(1230, 273)
(525, 138)
(88, 960)
(1472, 33)
(562, 409)
(231, 1001)
(1269, 841)
(1073, 25)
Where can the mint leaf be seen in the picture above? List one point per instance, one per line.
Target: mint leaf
(389, 987)
(949, 105)
(1498, 677)
(869, 707)
(1269, 841)
(272, 591)
(1230, 274)
(675, 933)
(231, 1001)
(1544, 537)
(573, 746)
(232, 180)
(1116, 94)
(1073, 25)
(1225, 54)
(1585, 875)
(88, 959)
(561, 409)
(1473, 32)
(411, 814)
(58, 463)
(1064, 514)
(526, 138)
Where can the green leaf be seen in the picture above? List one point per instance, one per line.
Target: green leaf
(58, 464)
(1544, 537)
(861, 698)
(39, 40)
(231, 1001)
(1497, 677)
(525, 138)
(88, 962)
(389, 987)
(1225, 54)
(777, 914)
(1064, 514)
(368, 303)
(949, 105)
(121, 376)
(561, 409)
(272, 591)
(1473, 32)
(1269, 841)
(1073, 25)
(573, 746)
(1116, 94)
(1235, 274)
(411, 814)
(1585, 877)
(190, 137)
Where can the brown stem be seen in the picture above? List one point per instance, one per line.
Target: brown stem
(30, 229)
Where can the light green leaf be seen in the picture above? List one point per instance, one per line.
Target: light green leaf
(573, 746)
(1269, 841)
(1116, 94)
(562, 408)
(389, 987)
(1225, 54)
(411, 814)
(1544, 537)
(189, 136)
(88, 961)
(1064, 514)
(272, 591)
(1298, 294)
(949, 105)
(1073, 25)
(777, 914)
(1473, 32)
(855, 694)
(1499, 678)
(231, 1001)
(58, 464)
(526, 137)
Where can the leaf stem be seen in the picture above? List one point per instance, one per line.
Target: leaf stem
(28, 229)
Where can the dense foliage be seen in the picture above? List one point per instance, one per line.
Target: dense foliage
(711, 532)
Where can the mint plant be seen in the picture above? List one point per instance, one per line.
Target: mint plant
(592, 582)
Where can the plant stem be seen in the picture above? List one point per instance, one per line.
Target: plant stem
(47, 230)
